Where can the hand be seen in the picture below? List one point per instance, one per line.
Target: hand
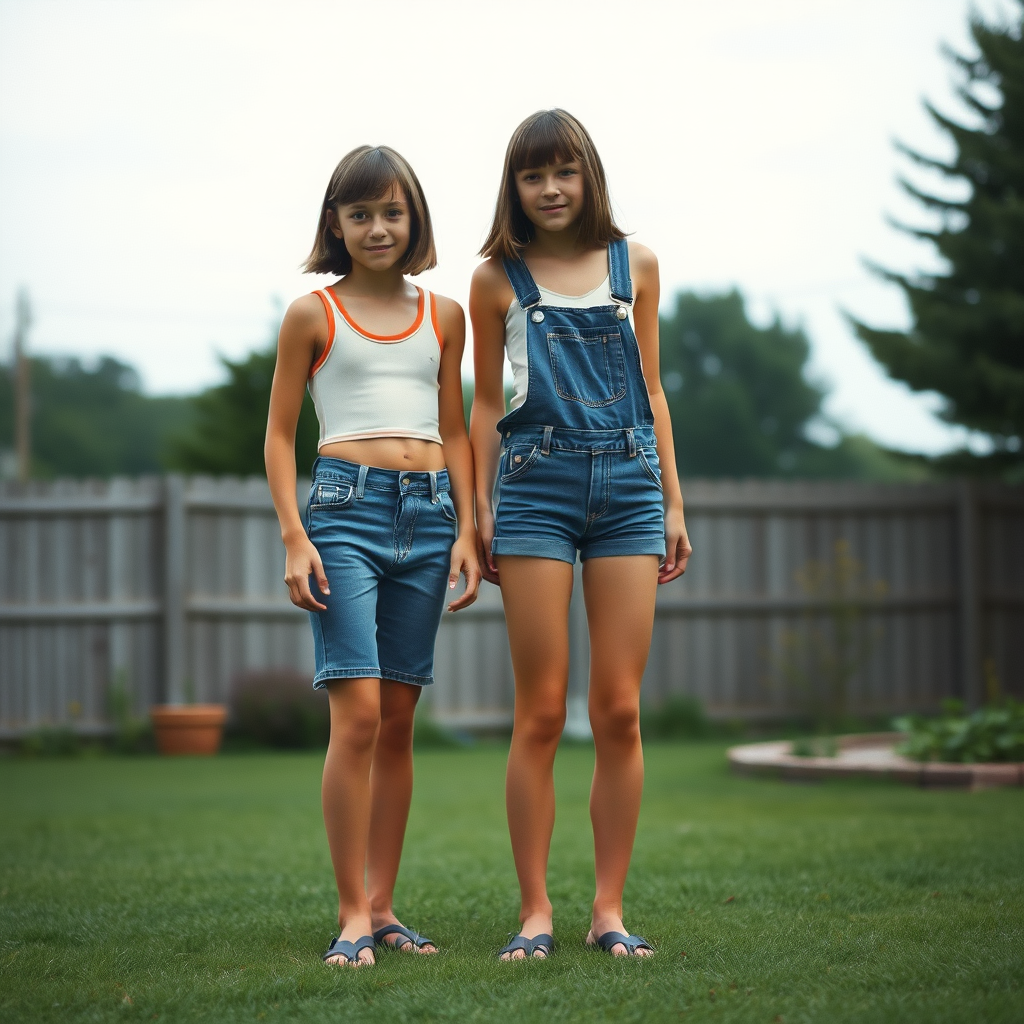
(301, 562)
(484, 536)
(465, 563)
(677, 546)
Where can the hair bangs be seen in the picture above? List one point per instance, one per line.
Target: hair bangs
(371, 176)
(546, 138)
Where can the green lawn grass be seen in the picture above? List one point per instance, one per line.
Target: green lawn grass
(180, 890)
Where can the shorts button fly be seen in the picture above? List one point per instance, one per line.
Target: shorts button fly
(405, 480)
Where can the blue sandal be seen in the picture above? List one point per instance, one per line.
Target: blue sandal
(631, 942)
(408, 935)
(349, 950)
(543, 942)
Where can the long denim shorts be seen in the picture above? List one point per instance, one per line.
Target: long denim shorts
(385, 540)
(595, 491)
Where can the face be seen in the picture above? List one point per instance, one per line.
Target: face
(376, 232)
(551, 196)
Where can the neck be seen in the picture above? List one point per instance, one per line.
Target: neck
(560, 245)
(381, 283)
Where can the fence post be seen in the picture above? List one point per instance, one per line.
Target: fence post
(967, 543)
(174, 588)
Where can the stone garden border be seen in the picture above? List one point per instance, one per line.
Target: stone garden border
(869, 755)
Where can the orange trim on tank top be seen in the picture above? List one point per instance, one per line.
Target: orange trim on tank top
(433, 320)
(382, 337)
(330, 334)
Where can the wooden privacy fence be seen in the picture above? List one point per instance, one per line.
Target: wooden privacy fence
(170, 587)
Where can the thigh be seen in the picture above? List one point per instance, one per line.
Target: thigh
(412, 595)
(344, 635)
(620, 595)
(535, 593)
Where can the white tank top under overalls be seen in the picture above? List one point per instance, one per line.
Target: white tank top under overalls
(369, 385)
(515, 330)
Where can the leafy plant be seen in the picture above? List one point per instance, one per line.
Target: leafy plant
(678, 717)
(132, 735)
(280, 708)
(820, 660)
(992, 733)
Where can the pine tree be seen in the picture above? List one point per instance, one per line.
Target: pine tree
(967, 337)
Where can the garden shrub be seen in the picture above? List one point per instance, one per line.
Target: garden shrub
(677, 717)
(992, 733)
(279, 708)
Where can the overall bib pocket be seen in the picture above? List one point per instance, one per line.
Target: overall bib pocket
(588, 364)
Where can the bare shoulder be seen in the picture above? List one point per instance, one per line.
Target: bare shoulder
(306, 312)
(641, 259)
(450, 315)
(490, 285)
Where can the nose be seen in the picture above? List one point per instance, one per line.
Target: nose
(379, 228)
(551, 187)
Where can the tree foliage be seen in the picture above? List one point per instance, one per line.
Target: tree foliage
(967, 337)
(230, 423)
(91, 422)
(740, 402)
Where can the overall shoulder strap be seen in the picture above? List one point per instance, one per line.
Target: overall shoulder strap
(522, 281)
(618, 271)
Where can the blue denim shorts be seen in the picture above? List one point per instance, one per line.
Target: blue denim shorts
(385, 540)
(563, 490)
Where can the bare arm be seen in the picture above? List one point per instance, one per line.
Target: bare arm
(303, 335)
(489, 298)
(644, 266)
(458, 456)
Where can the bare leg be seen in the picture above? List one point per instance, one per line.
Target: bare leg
(355, 719)
(535, 593)
(620, 595)
(390, 796)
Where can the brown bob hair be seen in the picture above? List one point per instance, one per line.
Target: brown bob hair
(550, 137)
(369, 173)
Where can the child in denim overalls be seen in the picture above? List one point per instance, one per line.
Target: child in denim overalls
(583, 462)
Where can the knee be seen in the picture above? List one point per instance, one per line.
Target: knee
(541, 726)
(396, 728)
(615, 721)
(358, 730)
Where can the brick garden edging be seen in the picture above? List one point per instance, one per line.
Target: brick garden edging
(869, 755)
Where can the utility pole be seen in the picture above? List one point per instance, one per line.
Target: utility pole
(22, 386)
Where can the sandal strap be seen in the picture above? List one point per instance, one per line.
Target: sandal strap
(631, 942)
(349, 950)
(418, 941)
(543, 941)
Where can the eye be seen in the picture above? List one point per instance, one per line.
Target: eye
(567, 172)
(359, 215)
(395, 213)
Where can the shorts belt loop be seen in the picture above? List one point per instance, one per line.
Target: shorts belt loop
(632, 442)
(361, 482)
(433, 487)
(545, 448)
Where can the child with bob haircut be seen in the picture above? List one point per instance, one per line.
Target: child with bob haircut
(583, 462)
(389, 524)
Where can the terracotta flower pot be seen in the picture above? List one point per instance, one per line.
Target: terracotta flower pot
(188, 728)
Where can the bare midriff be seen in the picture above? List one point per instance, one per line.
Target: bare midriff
(396, 453)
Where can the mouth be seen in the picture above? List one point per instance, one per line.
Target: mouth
(553, 209)
(376, 248)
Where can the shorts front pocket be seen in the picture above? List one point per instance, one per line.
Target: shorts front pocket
(651, 468)
(517, 460)
(326, 496)
(588, 364)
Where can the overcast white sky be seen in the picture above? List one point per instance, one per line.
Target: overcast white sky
(162, 163)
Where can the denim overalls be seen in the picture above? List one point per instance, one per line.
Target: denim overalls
(579, 463)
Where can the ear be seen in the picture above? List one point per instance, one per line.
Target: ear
(333, 223)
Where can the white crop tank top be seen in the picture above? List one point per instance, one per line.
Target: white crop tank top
(369, 385)
(515, 329)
